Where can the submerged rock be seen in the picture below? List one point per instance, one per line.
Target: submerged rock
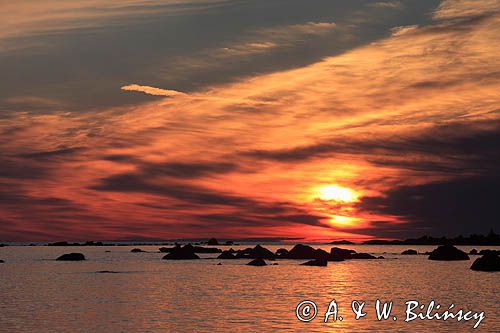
(448, 253)
(226, 255)
(71, 257)
(316, 262)
(257, 262)
(489, 262)
(107, 272)
(409, 252)
(185, 252)
(1, 261)
(136, 250)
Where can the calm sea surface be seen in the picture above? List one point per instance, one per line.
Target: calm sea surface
(39, 294)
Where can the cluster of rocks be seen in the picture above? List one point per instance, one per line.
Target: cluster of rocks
(196, 249)
(317, 257)
(179, 252)
(489, 262)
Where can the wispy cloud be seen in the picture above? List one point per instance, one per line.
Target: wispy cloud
(153, 91)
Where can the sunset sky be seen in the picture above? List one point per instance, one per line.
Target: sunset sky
(317, 120)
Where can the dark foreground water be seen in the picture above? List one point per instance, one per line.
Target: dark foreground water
(39, 294)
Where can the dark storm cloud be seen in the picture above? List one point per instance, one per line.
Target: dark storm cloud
(249, 211)
(457, 147)
(458, 206)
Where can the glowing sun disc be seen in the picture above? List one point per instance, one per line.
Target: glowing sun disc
(337, 193)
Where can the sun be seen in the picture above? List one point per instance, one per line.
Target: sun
(337, 193)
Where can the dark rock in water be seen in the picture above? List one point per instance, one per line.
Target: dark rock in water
(300, 251)
(257, 262)
(362, 256)
(316, 262)
(136, 250)
(226, 255)
(381, 257)
(1, 261)
(219, 264)
(489, 262)
(3, 245)
(166, 249)
(231, 250)
(473, 252)
(275, 264)
(107, 272)
(483, 252)
(427, 253)
(338, 253)
(282, 253)
(71, 257)
(200, 249)
(448, 253)
(409, 252)
(229, 243)
(212, 241)
(185, 252)
(107, 251)
(255, 253)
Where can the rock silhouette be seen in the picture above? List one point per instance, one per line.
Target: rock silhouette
(136, 250)
(255, 253)
(212, 241)
(1, 261)
(483, 252)
(338, 253)
(489, 262)
(226, 255)
(185, 252)
(71, 257)
(282, 253)
(362, 256)
(257, 262)
(448, 253)
(473, 252)
(316, 262)
(196, 249)
(300, 251)
(409, 252)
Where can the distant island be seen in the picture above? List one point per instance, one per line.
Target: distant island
(492, 239)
